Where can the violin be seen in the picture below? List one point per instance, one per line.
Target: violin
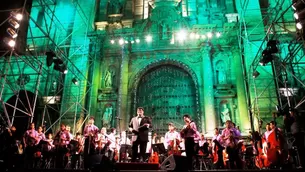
(154, 158)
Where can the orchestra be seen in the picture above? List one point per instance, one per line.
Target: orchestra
(225, 148)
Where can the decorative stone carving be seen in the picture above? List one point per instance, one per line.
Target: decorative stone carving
(221, 72)
(224, 112)
(107, 116)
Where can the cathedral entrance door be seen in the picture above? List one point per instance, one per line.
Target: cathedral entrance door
(167, 92)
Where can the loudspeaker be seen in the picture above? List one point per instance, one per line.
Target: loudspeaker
(175, 163)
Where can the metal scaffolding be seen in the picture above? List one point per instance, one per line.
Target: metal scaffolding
(46, 33)
(282, 75)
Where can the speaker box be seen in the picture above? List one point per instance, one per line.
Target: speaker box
(175, 163)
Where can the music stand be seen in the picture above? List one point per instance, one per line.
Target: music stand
(159, 148)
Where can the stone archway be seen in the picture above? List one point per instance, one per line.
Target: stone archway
(167, 89)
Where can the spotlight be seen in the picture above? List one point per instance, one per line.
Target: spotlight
(299, 15)
(218, 34)
(148, 38)
(61, 68)
(255, 74)
(137, 40)
(9, 42)
(14, 23)
(203, 37)
(121, 41)
(112, 41)
(300, 24)
(17, 16)
(12, 32)
(298, 5)
(197, 36)
(267, 57)
(132, 41)
(209, 35)
(272, 46)
(126, 42)
(181, 35)
(192, 35)
(50, 57)
(75, 81)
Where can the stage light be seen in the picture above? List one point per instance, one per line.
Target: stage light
(218, 34)
(17, 16)
(255, 74)
(132, 41)
(209, 35)
(14, 23)
(299, 15)
(137, 40)
(61, 68)
(75, 81)
(50, 57)
(181, 35)
(272, 46)
(121, 41)
(126, 42)
(298, 5)
(203, 37)
(148, 38)
(197, 36)
(266, 57)
(112, 41)
(9, 42)
(300, 25)
(12, 32)
(192, 35)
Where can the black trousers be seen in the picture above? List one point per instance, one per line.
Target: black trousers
(190, 151)
(299, 143)
(143, 145)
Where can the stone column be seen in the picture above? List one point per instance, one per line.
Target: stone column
(244, 120)
(123, 90)
(208, 93)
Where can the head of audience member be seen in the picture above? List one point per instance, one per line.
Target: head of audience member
(140, 111)
(78, 136)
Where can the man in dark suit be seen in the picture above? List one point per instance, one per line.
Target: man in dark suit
(139, 126)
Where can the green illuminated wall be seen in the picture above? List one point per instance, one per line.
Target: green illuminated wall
(81, 31)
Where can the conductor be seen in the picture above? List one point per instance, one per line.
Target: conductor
(139, 126)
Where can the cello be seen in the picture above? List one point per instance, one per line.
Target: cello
(174, 144)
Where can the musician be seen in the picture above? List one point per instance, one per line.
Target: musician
(190, 134)
(13, 145)
(124, 139)
(102, 141)
(171, 136)
(76, 149)
(90, 133)
(41, 135)
(230, 138)
(112, 145)
(267, 132)
(62, 139)
(68, 128)
(139, 126)
(125, 145)
(29, 140)
(217, 149)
